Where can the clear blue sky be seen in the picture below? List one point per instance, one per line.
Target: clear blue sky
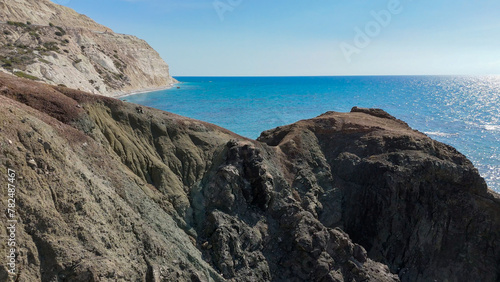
(278, 37)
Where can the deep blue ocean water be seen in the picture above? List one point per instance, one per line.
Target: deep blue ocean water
(461, 111)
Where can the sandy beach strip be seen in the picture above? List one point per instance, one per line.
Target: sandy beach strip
(146, 90)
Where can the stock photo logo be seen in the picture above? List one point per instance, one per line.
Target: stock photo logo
(223, 6)
(364, 36)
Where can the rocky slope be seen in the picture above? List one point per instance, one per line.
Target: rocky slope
(44, 41)
(44, 12)
(111, 191)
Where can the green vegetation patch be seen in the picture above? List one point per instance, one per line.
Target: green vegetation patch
(51, 46)
(22, 46)
(34, 34)
(119, 76)
(18, 61)
(6, 62)
(18, 24)
(25, 75)
(61, 30)
(44, 61)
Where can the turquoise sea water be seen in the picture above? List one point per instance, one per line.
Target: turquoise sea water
(461, 111)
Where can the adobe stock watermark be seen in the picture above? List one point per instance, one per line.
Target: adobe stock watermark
(61, 2)
(11, 213)
(224, 6)
(363, 37)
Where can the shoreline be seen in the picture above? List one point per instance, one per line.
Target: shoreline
(145, 90)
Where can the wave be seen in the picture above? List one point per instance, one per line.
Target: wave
(492, 127)
(441, 134)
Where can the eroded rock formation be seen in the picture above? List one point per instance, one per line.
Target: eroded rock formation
(114, 191)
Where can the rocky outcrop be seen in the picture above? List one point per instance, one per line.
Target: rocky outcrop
(114, 191)
(43, 12)
(44, 41)
(415, 204)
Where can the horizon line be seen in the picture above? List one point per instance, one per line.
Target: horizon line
(346, 75)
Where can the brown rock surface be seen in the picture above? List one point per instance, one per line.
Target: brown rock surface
(117, 191)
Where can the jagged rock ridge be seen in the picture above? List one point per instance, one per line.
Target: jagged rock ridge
(44, 41)
(115, 191)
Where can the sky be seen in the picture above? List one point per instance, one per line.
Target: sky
(313, 37)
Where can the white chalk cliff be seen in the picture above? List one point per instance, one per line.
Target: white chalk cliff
(44, 41)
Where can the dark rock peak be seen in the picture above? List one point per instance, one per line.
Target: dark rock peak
(374, 112)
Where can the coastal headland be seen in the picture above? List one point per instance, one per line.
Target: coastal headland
(108, 190)
(98, 189)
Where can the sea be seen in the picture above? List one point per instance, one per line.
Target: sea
(462, 111)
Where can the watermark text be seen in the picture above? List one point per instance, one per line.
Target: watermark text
(224, 6)
(11, 221)
(363, 36)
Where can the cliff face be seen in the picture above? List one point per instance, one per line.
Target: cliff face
(62, 47)
(415, 204)
(113, 191)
